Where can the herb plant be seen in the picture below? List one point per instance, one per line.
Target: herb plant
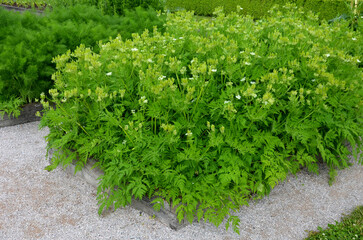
(212, 111)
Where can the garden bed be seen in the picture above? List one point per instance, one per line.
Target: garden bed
(91, 174)
(27, 114)
(204, 119)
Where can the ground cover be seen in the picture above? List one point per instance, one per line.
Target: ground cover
(350, 227)
(211, 111)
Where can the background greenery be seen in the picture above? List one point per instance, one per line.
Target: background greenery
(106, 6)
(28, 42)
(328, 9)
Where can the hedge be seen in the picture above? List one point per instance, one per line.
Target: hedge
(328, 9)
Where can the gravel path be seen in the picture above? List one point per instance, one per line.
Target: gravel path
(36, 204)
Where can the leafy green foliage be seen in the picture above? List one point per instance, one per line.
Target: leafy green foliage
(212, 111)
(111, 7)
(351, 227)
(11, 108)
(327, 9)
(28, 43)
(106, 6)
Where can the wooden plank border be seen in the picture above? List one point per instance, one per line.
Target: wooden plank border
(166, 215)
(27, 114)
(20, 9)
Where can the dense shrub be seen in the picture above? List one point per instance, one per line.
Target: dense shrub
(107, 6)
(112, 6)
(328, 9)
(211, 111)
(28, 43)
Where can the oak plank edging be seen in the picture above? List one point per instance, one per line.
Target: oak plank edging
(27, 114)
(166, 215)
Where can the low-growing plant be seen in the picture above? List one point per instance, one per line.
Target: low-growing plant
(11, 108)
(350, 227)
(28, 43)
(211, 112)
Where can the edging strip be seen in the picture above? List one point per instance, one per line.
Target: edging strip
(27, 114)
(166, 215)
(19, 9)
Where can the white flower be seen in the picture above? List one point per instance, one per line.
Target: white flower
(143, 99)
(134, 49)
(181, 38)
(162, 77)
(124, 142)
(313, 80)
(226, 102)
(253, 54)
(174, 39)
(150, 60)
(133, 111)
(238, 97)
(192, 61)
(241, 8)
(189, 133)
(247, 63)
(354, 39)
(243, 79)
(327, 55)
(254, 95)
(109, 73)
(214, 70)
(252, 82)
(241, 52)
(191, 78)
(358, 61)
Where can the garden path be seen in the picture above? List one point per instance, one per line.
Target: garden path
(36, 204)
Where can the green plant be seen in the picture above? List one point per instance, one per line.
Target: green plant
(11, 108)
(327, 9)
(350, 227)
(353, 15)
(211, 112)
(28, 43)
(111, 6)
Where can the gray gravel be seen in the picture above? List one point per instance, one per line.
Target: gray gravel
(36, 204)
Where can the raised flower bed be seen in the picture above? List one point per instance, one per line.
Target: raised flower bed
(211, 112)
